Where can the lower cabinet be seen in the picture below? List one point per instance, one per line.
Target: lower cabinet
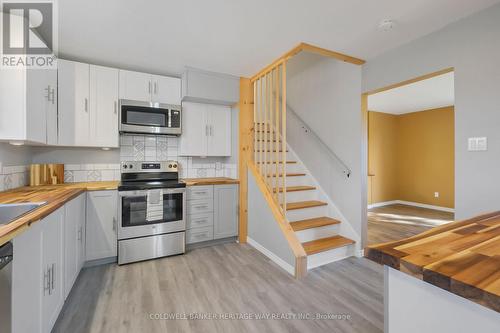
(212, 212)
(37, 286)
(102, 221)
(74, 241)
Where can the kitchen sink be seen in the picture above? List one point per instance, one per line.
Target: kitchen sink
(10, 212)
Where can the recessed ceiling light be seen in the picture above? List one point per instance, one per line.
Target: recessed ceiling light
(386, 25)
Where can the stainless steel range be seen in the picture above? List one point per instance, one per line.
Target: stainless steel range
(152, 222)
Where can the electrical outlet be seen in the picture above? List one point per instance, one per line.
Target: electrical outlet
(436, 194)
(477, 144)
(218, 165)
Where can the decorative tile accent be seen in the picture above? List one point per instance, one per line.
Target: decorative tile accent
(68, 176)
(13, 176)
(94, 176)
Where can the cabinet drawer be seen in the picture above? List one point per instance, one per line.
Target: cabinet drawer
(199, 235)
(200, 192)
(200, 220)
(201, 206)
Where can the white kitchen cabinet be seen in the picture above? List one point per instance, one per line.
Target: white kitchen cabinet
(104, 106)
(74, 241)
(88, 105)
(166, 90)
(74, 95)
(37, 287)
(150, 88)
(135, 86)
(101, 224)
(28, 105)
(209, 87)
(225, 211)
(53, 264)
(212, 212)
(206, 130)
(27, 281)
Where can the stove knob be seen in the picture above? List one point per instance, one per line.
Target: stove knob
(170, 166)
(130, 166)
(125, 166)
(175, 166)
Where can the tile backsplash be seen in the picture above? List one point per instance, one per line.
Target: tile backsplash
(162, 148)
(74, 173)
(14, 176)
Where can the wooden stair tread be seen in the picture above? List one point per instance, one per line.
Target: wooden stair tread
(274, 162)
(304, 204)
(325, 244)
(288, 175)
(295, 188)
(270, 151)
(313, 223)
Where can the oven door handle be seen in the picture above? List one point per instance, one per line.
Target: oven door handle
(143, 193)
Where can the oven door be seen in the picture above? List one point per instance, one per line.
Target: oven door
(133, 217)
(153, 118)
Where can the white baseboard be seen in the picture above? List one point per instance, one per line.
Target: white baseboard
(410, 203)
(277, 260)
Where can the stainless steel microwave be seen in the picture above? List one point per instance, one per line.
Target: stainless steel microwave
(150, 118)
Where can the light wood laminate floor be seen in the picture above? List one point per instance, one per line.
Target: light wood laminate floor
(395, 222)
(226, 278)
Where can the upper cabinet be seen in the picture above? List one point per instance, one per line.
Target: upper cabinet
(88, 105)
(150, 88)
(206, 130)
(209, 87)
(28, 105)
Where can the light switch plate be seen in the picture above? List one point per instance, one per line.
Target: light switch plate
(477, 144)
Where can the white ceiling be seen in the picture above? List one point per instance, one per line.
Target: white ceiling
(432, 93)
(240, 37)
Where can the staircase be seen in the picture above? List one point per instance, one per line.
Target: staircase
(308, 211)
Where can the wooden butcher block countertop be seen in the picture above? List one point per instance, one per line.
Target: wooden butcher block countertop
(461, 257)
(55, 196)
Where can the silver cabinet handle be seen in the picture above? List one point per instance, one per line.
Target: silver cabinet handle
(200, 192)
(116, 107)
(53, 276)
(206, 130)
(79, 234)
(202, 207)
(211, 130)
(149, 86)
(86, 106)
(46, 281)
(114, 223)
(48, 93)
(156, 87)
(53, 94)
(49, 270)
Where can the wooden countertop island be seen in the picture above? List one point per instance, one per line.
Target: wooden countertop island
(461, 257)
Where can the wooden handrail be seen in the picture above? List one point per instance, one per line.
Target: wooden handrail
(291, 237)
(307, 48)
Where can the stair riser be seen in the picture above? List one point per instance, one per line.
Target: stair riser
(290, 167)
(308, 235)
(326, 257)
(306, 213)
(302, 196)
(294, 181)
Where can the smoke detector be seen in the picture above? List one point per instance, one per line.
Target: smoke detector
(386, 25)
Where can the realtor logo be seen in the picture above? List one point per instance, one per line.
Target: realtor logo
(27, 34)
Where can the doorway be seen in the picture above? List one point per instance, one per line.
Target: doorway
(410, 157)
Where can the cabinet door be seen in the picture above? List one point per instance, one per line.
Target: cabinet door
(52, 263)
(101, 225)
(37, 94)
(27, 281)
(225, 211)
(103, 106)
(166, 90)
(73, 103)
(73, 241)
(52, 107)
(219, 124)
(193, 141)
(135, 86)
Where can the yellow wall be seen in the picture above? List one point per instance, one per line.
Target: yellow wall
(412, 156)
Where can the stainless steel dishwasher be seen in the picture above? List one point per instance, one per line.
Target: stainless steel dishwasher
(6, 255)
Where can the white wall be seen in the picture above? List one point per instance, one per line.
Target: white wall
(264, 232)
(414, 306)
(326, 94)
(472, 47)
